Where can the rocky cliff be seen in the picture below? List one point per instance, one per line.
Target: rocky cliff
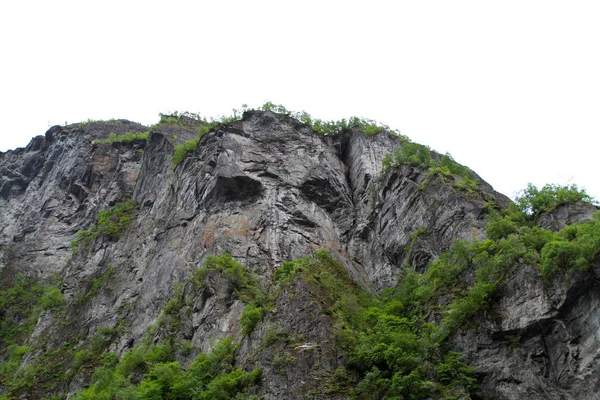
(266, 190)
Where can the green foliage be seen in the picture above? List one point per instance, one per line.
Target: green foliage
(180, 118)
(574, 248)
(110, 224)
(392, 345)
(367, 126)
(500, 227)
(183, 149)
(96, 285)
(411, 154)
(389, 346)
(174, 310)
(453, 370)
(209, 376)
(123, 138)
(246, 286)
(251, 316)
(419, 155)
(534, 201)
(22, 302)
(273, 334)
(52, 299)
(96, 122)
(289, 269)
(103, 337)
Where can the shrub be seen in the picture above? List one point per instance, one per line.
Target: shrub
(416, 154)
(251, 316)
(96, 285)
(96, 122)
(559, 255)
(289, 269)
(179, 118)
(500, 227)
(111, 224)
(123, 138)
(574, 248)
(245, 283)
(183, 149)
(455, 168)
(210, 376)
(52, 298)
(232, 270)
(367, 126)
(103, 337)
(453, 370)
(22, 302)
(534, 201)
(411, 154)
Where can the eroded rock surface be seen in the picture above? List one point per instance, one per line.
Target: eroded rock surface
(267, 189)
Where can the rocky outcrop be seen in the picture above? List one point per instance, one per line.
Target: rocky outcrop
(266, 189)
(539, 341)
(566, 214)
(55, 186)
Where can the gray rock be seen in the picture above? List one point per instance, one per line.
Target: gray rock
(566, 214)
(266, 189)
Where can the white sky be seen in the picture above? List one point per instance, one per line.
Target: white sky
(511, 88)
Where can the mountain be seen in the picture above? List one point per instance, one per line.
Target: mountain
(272, 256)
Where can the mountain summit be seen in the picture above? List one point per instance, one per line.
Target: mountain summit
(271, 256)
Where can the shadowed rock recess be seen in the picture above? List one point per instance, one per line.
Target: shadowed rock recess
(266, 190)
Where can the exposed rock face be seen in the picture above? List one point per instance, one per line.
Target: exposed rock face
(540, 341)
(53, 188)
(566, 214)
(266, 190)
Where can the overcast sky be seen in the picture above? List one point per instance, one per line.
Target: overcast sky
(511, 88)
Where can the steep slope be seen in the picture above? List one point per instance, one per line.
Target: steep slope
(265, 189)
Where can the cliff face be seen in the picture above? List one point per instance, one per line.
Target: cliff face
(266, 190)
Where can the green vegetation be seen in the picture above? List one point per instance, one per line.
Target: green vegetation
(367, 126)
(187, 119)
(179, 118)
(534, 201)
(419, 155)
(246, 287)
(574, 248)
(147, 371)
(96, 122)
(111, 224)
(391, 342)
(96, 285)
(22, 302)
(411, 154)
(151, 371)
(211, 376)
(183, 149)
(123, 138)
(389, 345)
(251, 316)
(394, 343)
